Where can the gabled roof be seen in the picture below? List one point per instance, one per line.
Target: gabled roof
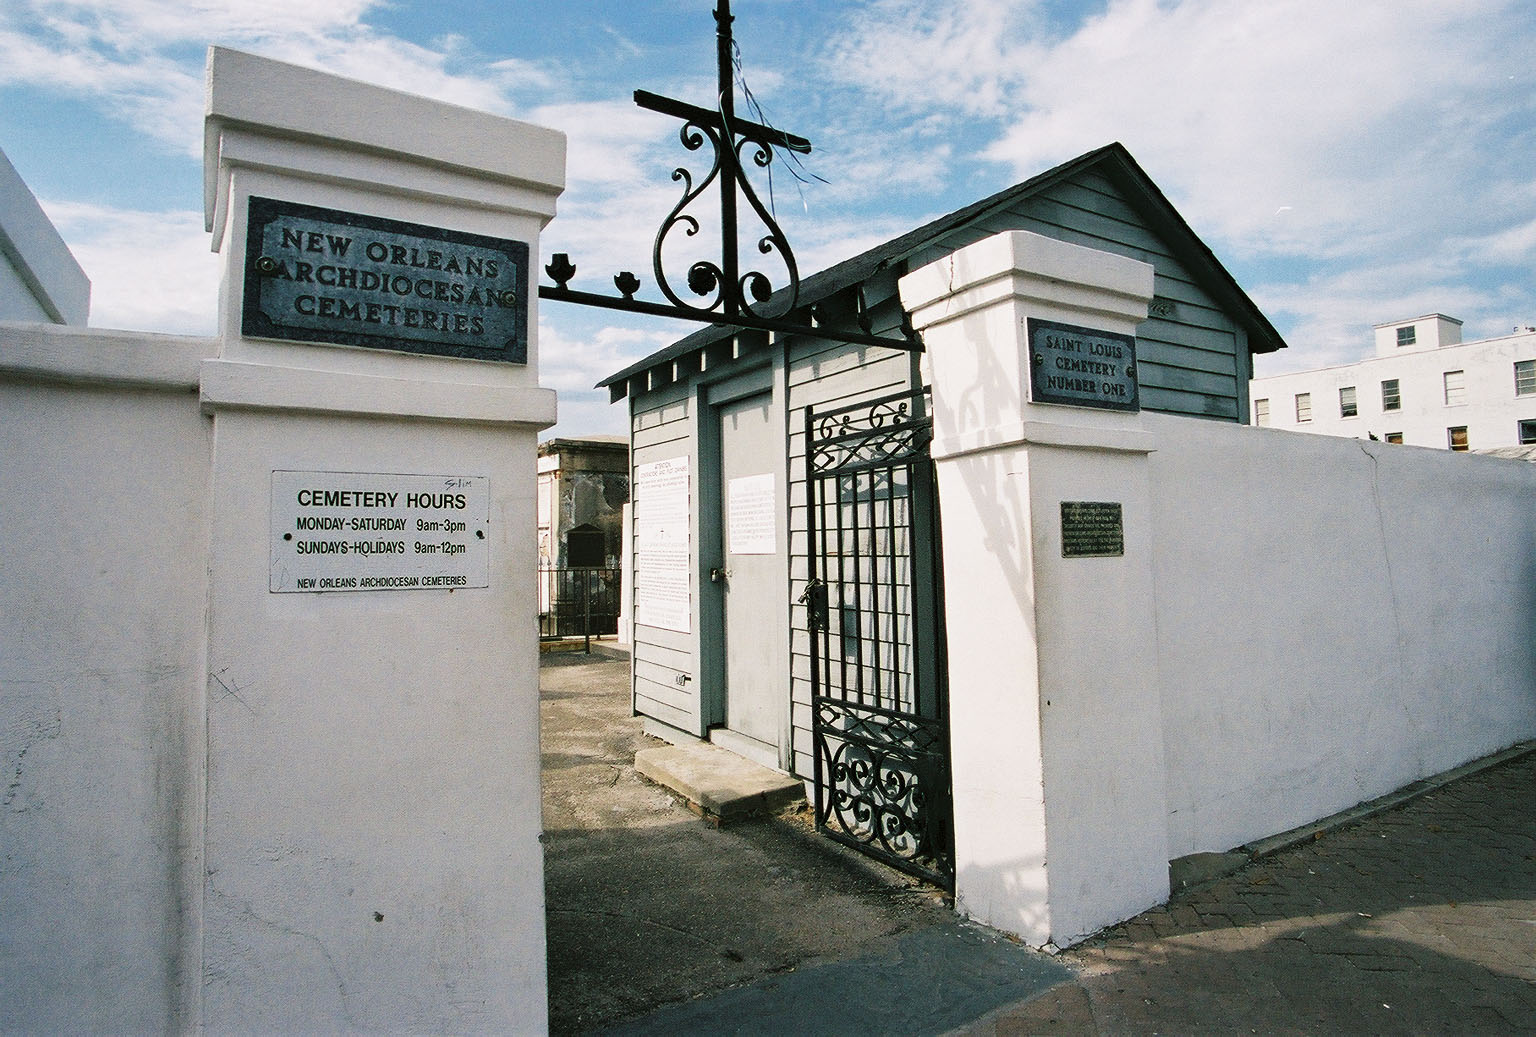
(1112, 161)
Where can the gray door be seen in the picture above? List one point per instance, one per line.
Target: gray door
(752, 593)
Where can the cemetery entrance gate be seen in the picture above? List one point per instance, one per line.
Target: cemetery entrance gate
(879, 695)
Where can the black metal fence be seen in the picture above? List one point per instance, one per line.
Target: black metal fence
(578, 603)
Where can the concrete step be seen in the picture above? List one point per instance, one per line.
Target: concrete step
(716, 783)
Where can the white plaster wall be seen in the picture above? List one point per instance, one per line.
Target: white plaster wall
(39, 278)
(104, 457)
(996, 767)
(1297, 623)
(233, 810)
(1055, 726)
(17, 302)
(1054, 710)
(383, 763)
(1430, 332)
(1335, 619)
(373, 790)
(1101, 728)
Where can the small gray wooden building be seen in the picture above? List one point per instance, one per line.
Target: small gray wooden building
(726, 636)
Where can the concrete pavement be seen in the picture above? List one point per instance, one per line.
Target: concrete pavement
(659, 921)
(1420, 919)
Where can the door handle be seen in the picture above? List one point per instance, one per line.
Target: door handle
(815, 601)
(718, 574)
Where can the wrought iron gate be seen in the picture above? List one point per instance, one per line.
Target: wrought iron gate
(879, 696)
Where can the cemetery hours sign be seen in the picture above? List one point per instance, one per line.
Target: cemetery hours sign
(322, 275)
(1082, 367)
(355, 531)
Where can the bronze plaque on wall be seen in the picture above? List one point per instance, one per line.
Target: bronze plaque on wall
(323, 275)
(1082, 367)
(1092, 529)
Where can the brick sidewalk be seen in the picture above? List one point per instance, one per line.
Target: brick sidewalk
(1419, 920)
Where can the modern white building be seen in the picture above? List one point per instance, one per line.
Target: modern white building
(1424, 387)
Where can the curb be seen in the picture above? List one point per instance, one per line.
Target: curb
(716, 784)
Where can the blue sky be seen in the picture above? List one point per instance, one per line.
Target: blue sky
(1350, 163)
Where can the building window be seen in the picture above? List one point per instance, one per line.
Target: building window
(1303, 406)
(1406, 336)
(1455, 388)
(1525, 377)
(1394, 437)
(1347, 408)
(1527, 433)
(1391, 398)
(1457, 437)
(1261, 412)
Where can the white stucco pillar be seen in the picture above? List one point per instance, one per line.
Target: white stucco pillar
(373, 815)
(1056, 732)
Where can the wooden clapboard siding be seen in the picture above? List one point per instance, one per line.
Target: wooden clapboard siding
(1188, 360)
(1192, 359)
(822, 375)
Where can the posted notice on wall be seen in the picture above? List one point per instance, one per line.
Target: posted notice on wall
(663, 560)
(371, 531)
(749, 504)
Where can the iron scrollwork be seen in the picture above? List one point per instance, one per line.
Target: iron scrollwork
(887, 791)
(724, 289)
(721, 292)
(869, 433)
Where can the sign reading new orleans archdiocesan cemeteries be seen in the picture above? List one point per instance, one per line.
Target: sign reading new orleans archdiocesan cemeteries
(322, 275)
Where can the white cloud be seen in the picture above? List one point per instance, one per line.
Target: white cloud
(1341, 158)
(159, 95)
(149, 271)
(136, 25)
(1514, 244)
(131, 57)
(620, 161)
(1385, 143)
(575, 354)
(577, 350)
(1330, 313)
(614, 143)
(403, 65)
(963, 57)
(1352, 115)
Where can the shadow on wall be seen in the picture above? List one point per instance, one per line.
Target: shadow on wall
(1004, 545)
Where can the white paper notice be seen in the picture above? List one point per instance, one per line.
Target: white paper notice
(663, 562)
(750, 506)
